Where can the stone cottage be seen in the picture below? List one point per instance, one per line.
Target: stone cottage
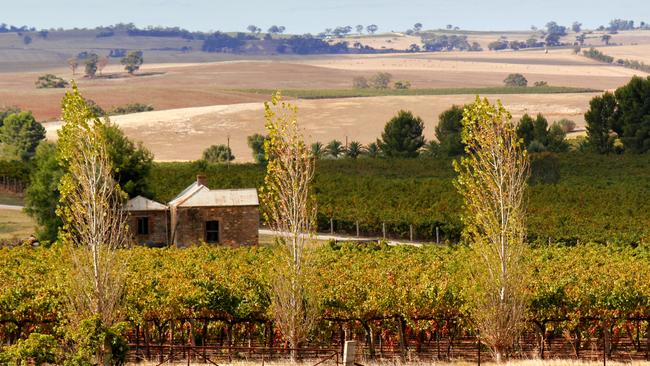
(199, 214)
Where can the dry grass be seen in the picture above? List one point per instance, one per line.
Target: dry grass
(182, 134)
(15, 225)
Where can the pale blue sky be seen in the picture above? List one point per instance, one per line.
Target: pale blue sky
(302, 16)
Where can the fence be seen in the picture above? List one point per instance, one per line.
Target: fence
(257, 342)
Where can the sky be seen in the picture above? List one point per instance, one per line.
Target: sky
(308, 16)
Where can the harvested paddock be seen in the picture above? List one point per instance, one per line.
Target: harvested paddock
(182, 134)
(181, 85)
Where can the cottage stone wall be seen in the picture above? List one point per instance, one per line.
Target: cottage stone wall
(157, 227)
(238, 225)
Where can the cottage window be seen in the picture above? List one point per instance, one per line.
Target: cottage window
(212, 231)
(143, 226)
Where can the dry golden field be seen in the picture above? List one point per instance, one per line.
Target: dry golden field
(198, 104)
(182, 134)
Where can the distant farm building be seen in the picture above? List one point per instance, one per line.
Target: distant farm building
(197, 214)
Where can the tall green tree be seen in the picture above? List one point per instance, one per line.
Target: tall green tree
(448, 131)
(634, 106)
(525, 129)
(402, 136)
(131, 164)
(42, 194)
(540, 129)
(20, 134)
(603, 111)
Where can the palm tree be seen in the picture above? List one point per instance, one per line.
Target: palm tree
(354, 149)
(373, 150)
(317, 150)
(334, 149)
(430, 149)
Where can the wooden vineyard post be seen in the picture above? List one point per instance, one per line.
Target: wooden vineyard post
(437, 236)
(357, 223)
(331, 226)
(411, 232)
(383, 229)
(349, 353)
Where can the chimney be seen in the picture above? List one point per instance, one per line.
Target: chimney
(202, 180)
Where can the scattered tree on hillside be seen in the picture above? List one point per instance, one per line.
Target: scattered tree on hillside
(101, 64)
(132, 61)
(402, 136)
(553, 33)
(95, 227)
(254, 29)
(218, 154)
(576, 27)
(274, 29)
(73, 63)
(515, 80)
(381, 80)
(372, 28)
(20, 134)
(492, 181)
(290, 210)
(359, 28)
(448, 131)
(360, 82)
(606, 38)
(90, 65)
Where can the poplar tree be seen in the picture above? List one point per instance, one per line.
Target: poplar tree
(492, 181)
(290, 210)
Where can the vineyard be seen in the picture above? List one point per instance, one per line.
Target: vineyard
(397, 301)
(574, 197)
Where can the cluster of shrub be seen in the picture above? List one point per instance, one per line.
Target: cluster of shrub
(593, 53)
(436, 42)
(5, 28)
(50, 81)
(93, 63)
(519, 80)
(309, 45)
(503, 44)
(381, 80)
